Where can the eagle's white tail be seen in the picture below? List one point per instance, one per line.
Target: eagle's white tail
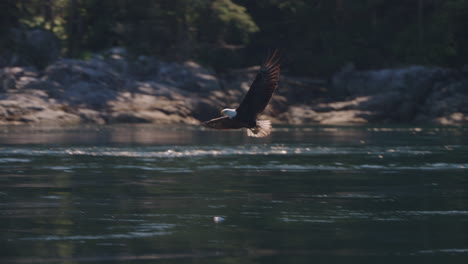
(262, 129)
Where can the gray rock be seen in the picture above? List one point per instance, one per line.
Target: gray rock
(12, 78)
(114, 88)
(87, 94)
(126, 117)
(91, 116)
(68, 71)
(189, 76)
(422, 94)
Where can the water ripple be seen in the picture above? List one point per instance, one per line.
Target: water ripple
(97, 237)
(12, 160)
(447, 251)
(142, 230)
(194, 151)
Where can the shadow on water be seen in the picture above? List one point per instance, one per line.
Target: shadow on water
(147, 194)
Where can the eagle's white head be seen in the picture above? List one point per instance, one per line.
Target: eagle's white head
(231, 113)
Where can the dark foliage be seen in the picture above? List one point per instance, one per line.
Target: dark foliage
(318, 37)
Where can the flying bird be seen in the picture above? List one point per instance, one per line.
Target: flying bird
(254, 102)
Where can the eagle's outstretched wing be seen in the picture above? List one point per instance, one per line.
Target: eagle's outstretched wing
(223, 123)
(262, 88)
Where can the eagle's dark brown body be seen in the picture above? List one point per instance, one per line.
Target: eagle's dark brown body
(254, 102)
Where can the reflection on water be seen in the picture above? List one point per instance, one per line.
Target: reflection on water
(181, 194)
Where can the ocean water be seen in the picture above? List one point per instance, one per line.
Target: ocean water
(149, 194)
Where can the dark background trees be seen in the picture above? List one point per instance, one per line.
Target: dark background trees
(318, 37)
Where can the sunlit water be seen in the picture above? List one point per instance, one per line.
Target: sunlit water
(131, 194)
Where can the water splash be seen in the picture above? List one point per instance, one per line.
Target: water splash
(196, 151)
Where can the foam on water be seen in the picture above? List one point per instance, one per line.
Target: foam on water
(342, 167)
(13, 160)
(138, 231)
(97, 237)
(432, 213)
(267, 157)
(195, 151)
(445, 250)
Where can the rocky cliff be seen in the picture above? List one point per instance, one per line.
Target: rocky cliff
(117, 88)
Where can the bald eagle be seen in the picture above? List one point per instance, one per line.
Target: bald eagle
(254, 102)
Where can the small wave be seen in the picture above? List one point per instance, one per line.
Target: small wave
(277, 166)
(199, 151)
(432, 213)
(448, 165)
(52, 197)
(12, 160)
(438, 166)
(305, 220)
(447, 250)
(427, 166)
(294, 217)
(356, 196)
(336, 167)
(142, 230)
(369, 166)
(138, 167)
(171, 153)
(60, 168)
(97, 237)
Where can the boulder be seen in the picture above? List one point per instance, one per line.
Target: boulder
(188, 76)
(13, 78)
(66, 72)
(415, 80)
(412, 94)
(114, 87)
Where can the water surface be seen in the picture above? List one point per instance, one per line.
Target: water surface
(146, 194)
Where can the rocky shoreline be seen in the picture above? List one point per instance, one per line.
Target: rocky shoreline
(117, 88)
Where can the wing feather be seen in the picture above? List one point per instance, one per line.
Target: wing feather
(262, 88)
(223, 123)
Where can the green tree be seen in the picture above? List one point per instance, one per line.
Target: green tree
(230, 22)
(317, 36)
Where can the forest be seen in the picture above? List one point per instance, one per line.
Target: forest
(317, 37)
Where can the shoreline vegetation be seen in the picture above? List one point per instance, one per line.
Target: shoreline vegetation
(181, 61)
